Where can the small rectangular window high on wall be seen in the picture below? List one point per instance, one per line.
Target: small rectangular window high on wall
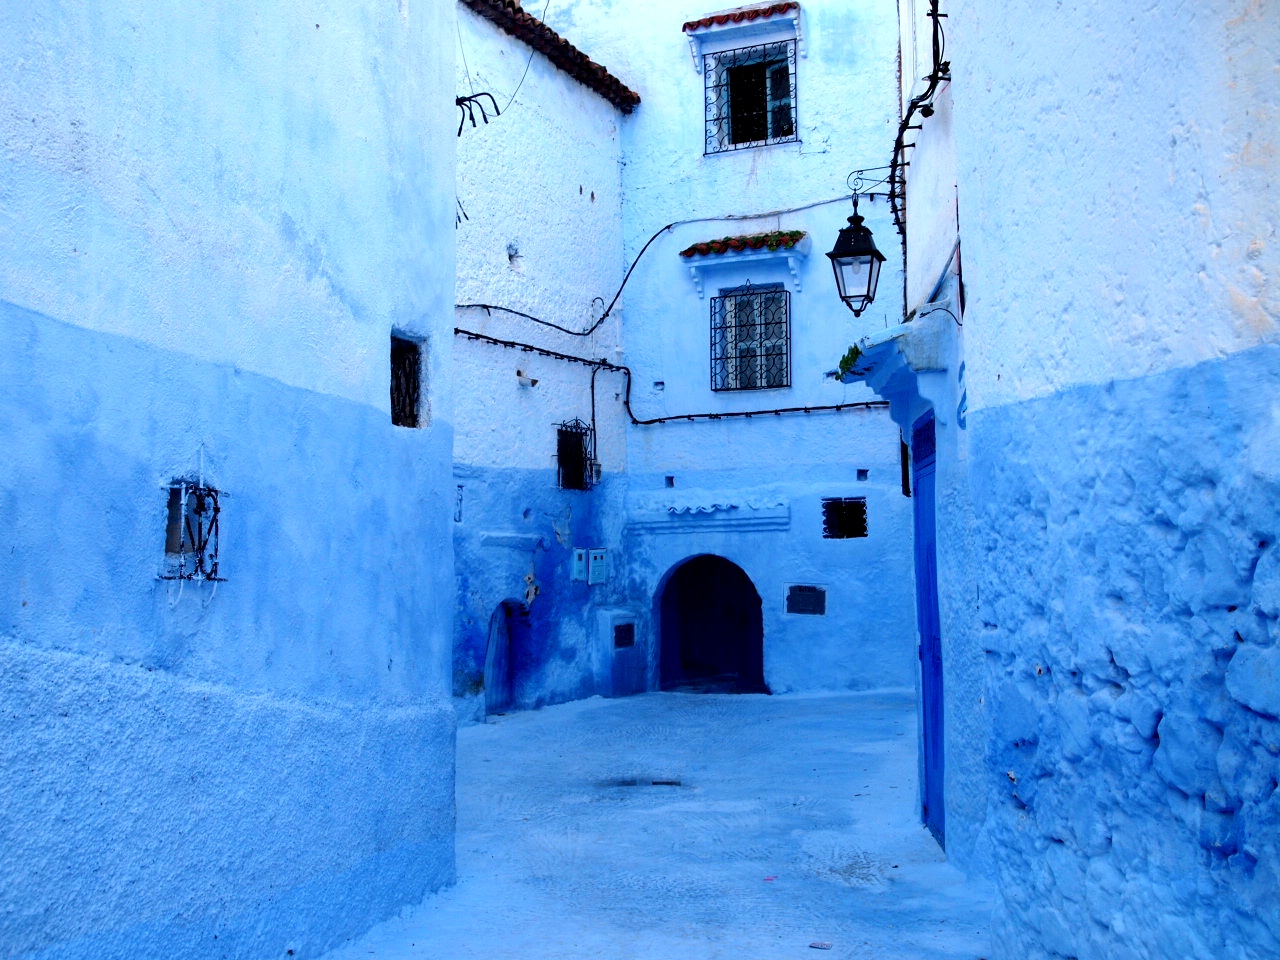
(844, 517)
(575, 456)
(406, 382)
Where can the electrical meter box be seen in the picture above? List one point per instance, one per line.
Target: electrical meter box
(597, 565)
(579, 564)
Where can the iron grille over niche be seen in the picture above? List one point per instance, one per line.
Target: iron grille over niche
(575, 455)
(751, 338)
(844, 517)
(406, 382)
(191, 532)
(750, 96)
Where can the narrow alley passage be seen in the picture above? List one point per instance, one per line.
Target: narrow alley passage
(674, 825)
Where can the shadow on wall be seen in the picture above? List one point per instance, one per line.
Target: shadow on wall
(711, 628)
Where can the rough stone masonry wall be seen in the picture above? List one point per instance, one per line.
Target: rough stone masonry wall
(1129, 604)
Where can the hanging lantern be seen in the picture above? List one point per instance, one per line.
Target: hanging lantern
(856, 262)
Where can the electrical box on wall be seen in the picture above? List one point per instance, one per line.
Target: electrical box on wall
(597, 565)
(579, 564)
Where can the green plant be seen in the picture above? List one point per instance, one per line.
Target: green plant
(850, 360)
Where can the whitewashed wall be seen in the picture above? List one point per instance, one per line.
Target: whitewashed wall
(541, 189)
(213, 220)
(846, 83)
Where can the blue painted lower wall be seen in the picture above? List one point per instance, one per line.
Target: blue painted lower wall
(199, 772)
(1130, 592)
(514, 541)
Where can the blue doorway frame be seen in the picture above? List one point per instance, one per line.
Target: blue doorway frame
(923, 458)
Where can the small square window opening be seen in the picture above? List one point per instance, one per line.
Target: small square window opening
(844, 518)
(406, 382)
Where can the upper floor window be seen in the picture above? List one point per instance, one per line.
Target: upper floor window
(751, 338)
(750, 96)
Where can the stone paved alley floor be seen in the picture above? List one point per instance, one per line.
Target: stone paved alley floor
(674, 825)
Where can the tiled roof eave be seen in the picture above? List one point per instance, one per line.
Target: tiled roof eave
(745, 15)
(772, 241)
(509, 17)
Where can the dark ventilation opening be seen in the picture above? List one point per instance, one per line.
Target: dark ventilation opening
(844, 518)
(406, 382)
(712, 630)
(624, 635)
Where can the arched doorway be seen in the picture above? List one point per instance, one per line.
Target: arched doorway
(712, 631)
(508, 625)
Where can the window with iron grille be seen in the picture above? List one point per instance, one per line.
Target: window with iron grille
(191, 532)
(575, 455)
(844, 517)
(750, 96)
(406, 382)
(751, 338)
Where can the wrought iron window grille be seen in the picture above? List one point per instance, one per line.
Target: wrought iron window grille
(406, 382)
(751, 338)
(844, 518)
(750, 96)
(191, 532)
(576, 464)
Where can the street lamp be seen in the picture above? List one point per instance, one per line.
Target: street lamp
(856, 263)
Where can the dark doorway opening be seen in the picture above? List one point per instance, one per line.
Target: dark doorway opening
(923, 459)
(508, 630)
(712, 629)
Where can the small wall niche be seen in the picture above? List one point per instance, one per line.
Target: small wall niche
(808, 599)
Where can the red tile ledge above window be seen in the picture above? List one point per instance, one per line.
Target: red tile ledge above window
(748, 25)
(791, 246)
(774, 240)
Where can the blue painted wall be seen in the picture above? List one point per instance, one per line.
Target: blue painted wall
(213, 221)
(515, 542)
(1130, 602)
(192, 770)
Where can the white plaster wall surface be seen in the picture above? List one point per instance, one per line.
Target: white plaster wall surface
(540, 186)
(184, 180)
(212, 223)
(847, 114)
(931, 191)
(1131, 191)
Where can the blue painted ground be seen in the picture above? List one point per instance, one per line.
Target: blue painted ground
(793, 822)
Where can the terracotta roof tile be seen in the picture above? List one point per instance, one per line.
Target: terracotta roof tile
(742, 15)
(774, 240)
(508, 16)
